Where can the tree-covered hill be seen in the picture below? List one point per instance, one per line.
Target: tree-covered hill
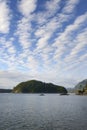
(34, 86)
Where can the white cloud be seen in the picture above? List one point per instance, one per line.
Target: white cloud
(5, 17)
(23, 32)
(49, 47)
(9, 79)
(52, 7)
(27, 7)
(66, 41)
(70, 6)
(8, 53)
(24, 28)
(42, 42)
(79, 46)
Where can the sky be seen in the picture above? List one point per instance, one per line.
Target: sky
(44, 40)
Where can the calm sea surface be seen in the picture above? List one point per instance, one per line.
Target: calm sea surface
(49, 112)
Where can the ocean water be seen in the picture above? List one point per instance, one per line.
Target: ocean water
(49, 112)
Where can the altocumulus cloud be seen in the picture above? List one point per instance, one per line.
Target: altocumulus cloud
(43, 40)
(5, 17)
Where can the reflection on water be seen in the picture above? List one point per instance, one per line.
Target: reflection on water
(49, 112)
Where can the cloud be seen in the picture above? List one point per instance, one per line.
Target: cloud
(63, 41)
(49, 43)
(79, 46)
(24, 27)
(52, 7)
(5, 17)
(9, 79)
(46, 30)
(8, 53)
(27, 7)
(23, 32)
(70, 6)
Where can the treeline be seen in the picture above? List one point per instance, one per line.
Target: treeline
(5, 90)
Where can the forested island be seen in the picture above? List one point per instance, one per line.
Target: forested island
(34, 86)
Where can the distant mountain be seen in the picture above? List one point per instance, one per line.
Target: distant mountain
(70, 90)
(5, 90)
(34, 86)
(81, 84)
(81, 87)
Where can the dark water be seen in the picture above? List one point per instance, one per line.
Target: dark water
(49, 112)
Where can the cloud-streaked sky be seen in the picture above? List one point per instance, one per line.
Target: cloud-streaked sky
(44, 40)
